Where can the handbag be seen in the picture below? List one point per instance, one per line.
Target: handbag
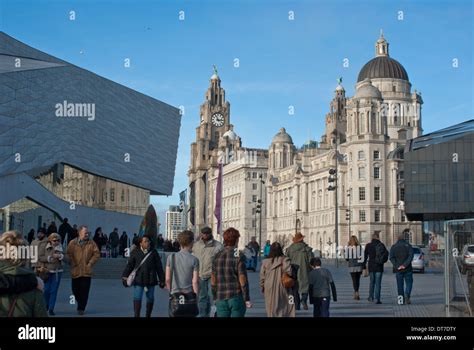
(287, 280)
(133, 274)
(365, 273)
(181, 304)
(42, 272)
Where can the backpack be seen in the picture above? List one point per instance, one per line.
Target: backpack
(381, 254)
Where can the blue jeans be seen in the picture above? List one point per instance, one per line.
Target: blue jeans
(233, 307)
(321, 307)
(255, 262)
(51, 287)
(407, 277)
(205, 297)
(375, 285)
(138, 293)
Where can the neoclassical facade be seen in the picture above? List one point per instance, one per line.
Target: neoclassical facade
(369, 132)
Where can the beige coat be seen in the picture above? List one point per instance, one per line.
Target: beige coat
(82, 257)
(278, 301)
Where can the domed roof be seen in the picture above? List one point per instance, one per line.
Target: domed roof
(282, 137)
(230, 134)
(383, 67)
(367, 90)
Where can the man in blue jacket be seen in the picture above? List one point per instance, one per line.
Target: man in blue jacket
(401, 255)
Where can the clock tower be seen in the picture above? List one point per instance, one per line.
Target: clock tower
(214, 122)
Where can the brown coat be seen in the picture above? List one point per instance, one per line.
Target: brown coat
(82, 258)
(278, 301)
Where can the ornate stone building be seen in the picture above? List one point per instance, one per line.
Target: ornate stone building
(244, 171)
(369, 131)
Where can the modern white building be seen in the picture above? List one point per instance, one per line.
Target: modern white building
(175, 222)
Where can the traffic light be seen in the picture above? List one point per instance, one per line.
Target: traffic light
(332, 179)
(348, 214)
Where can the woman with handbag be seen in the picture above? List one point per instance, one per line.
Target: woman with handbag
(182, 278)
(143, 271)
(355, 261)
(275, 281)
(51, 258)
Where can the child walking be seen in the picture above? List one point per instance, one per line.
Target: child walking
(321, 285)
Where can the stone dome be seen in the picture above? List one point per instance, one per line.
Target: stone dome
(382, 67)
(230, 134)
(367, 90)
(282, 137)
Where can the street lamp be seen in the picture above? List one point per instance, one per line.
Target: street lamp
(259, 211)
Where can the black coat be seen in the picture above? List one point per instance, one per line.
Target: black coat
(369, 254)
(401, 253)
(149, 273)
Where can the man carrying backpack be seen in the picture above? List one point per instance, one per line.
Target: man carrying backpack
(377, 255)
(401, 255)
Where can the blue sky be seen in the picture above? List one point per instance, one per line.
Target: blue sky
(282, 62)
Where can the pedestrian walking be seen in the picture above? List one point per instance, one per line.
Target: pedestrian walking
(321, 285)
(26, 301)
(146, 265)
(205, 250)
(114, 241)
(300, 254)
(82, 253)
(52, 257)
(256, 247)
(229, 281)
(355, 262)
(375, 256)
(123, 243)
(182, 278)
(31, 235)
(278, 300)
(266, 249)
(65, 230)
(401, 256)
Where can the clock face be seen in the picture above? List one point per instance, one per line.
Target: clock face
(217, 119)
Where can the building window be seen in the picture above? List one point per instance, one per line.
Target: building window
(377, 215)
(376, 155)
(361, 155)
(394, 88)
(122, 197)
(362, 193)
(112, 194)
(376, 193)
(254, 198)
(254, 186)
(254, 175)
(254, 223)
(253, 211)
(362, 173)
(402, 194)
(376, 172)
(364, 237)
(361, 215)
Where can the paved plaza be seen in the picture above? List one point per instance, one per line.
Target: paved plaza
(108, 297)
